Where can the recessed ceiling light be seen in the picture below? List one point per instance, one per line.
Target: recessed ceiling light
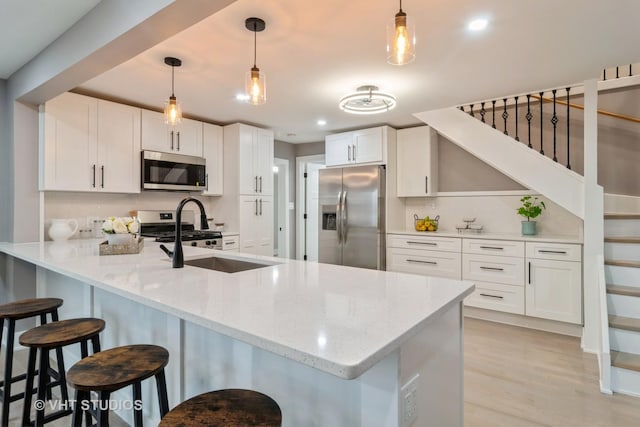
(322, 122)
(478, 24)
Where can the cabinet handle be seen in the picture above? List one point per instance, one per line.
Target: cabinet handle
(102, 176)
(255, 183)
(529, 272)
(172, 140)
(260, 207)
(256, 207)
(178, 136)
(349, 152)
(491, 268)
(229, 243)
(206, 181)
(421, 243)
(542, 251)
(93, 183)
(426, 185)
(354, 152)
(422, 262)
(491, 296)
(261, 184)
(497, 248)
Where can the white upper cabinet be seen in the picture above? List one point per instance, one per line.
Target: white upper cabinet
(213, 153)
(89, 145)
(250, 150)
(417, 162)
(185, 138)
(366, 146)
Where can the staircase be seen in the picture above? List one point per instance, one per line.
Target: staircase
(622, 273)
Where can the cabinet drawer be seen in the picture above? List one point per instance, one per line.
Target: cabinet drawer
(494, 269)
(426, 263)
(494, 296)
(445, 244)
(230, 243)
(557, 251)
(493, 247)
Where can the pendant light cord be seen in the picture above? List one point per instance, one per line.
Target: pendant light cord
(255, 42)
(400, 5)
(172, 78)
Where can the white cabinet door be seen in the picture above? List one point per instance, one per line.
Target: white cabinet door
(338, 149)
(264, 161)
(212, 149)
(368, 146)
(247, 160)
(265, 226)
(554, 290)
(155, 134)
(69, 143)
(249, 239)
(118, 161)
(417, 162)
(188, 138)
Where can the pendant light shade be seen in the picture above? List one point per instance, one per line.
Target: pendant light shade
(172, 109)
(255, 84)
(401, 41)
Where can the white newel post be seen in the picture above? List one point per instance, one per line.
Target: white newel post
(593, 223)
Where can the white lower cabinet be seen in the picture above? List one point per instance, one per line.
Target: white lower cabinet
(427, 255)
(256, 225)
(495, 296)
(554, 286)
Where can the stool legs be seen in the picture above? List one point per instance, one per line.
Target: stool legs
(161, 385)
(8, 368)
(137, 411)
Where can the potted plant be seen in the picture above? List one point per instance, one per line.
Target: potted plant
(531, 208)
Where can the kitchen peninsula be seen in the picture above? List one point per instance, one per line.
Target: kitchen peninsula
(333, 345)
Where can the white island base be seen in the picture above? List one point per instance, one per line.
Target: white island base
(204, 360)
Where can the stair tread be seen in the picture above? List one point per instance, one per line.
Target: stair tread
(622, 239)
(631, 291)
(622, 263)
(622, 216)
(627, 323)
(624, 360)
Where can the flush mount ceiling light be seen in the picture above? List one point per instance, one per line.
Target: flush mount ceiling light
(401, 40)
(172, 110)
(255, 83)
(367, 100)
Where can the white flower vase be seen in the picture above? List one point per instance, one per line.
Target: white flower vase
(119, 238)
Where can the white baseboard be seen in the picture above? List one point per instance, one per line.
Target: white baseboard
(524, 321)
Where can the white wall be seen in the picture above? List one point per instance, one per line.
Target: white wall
(5, 164)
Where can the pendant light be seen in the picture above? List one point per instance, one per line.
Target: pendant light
(255, 84)
(172, 110)
(401, 40)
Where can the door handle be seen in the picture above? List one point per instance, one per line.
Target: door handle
(261, 184)
(93, 184)
(102, 176)
(178, 136)
(339, 216)
(256, 207)
(260, 207)
(172, 140)
(345, 217)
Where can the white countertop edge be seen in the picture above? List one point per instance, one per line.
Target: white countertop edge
(493, 236)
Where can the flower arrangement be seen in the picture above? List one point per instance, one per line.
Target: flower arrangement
(120, 225)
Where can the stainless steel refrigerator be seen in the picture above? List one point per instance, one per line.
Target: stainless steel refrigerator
(352, 217)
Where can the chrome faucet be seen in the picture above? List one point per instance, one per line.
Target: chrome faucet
(177, 256)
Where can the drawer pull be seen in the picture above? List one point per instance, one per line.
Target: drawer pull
(229, 243)
(409, 242)
(492, 296)
(491, 268)
(497, 248)
(422, 262)
(543, 251)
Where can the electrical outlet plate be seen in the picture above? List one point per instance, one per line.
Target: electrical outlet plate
(408, 396)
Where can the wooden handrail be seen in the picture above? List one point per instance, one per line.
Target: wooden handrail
(603, 112)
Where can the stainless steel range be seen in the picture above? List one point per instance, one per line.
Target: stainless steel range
(162, 226)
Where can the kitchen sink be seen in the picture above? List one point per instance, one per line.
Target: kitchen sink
(226, 265)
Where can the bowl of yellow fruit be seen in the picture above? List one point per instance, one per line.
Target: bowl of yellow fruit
(426, 223)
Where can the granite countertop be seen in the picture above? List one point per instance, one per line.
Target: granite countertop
(340, 320)
(493, 236)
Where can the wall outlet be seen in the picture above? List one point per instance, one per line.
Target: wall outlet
(408, 395)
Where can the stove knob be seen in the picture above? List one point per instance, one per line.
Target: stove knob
(208, 243)
(194, 244)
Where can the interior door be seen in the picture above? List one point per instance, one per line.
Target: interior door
(312, 201)
(361, 195)
(330, 192)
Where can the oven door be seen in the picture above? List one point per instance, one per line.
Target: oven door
(167, 171)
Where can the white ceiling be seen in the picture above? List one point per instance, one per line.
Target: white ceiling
(314, 52)
(27, 27)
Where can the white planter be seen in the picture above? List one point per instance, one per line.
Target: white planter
(120, 239)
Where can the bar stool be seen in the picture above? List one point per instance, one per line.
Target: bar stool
(43, 339)
(231, 407)
(17, 310)
(114, 369)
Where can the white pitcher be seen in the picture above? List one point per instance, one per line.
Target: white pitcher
(62, 229)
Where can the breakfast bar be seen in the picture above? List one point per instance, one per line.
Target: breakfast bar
(333, 345)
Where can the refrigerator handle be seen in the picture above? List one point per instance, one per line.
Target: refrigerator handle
(339, 217)
(345, 217)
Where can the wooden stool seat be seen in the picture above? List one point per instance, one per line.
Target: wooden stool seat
(62, 333)
(231, 407)
(29, 307)
(116, 368)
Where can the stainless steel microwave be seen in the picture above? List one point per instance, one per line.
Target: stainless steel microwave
(168, 171)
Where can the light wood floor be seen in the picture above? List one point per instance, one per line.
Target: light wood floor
(520, 377)
(514, 377)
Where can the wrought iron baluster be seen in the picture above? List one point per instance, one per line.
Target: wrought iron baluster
(630, 70)
(554, 122)
(529, 116)
(493, 109)
(541, 127)
(461, 108)
(482, 113)
(505, 115)
(568, 127)
(517, 137)
(604, 74)
(617, 72)
(471, 113)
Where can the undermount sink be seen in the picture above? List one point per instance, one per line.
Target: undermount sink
(226, 265)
